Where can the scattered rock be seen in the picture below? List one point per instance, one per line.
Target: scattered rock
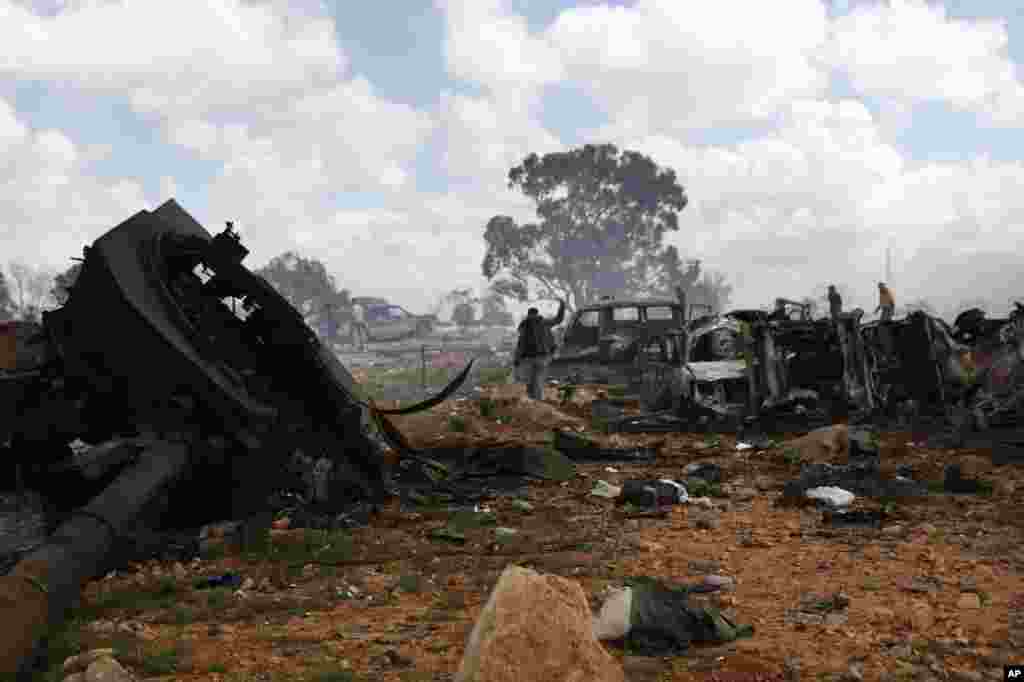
(248, 584)
(893, 530)
(705, 521)
(538, 627)
(699, 566)
(103, 669)
(968, 584)
(965, 676)
(80, 662)
(969, 600)
(745, 494)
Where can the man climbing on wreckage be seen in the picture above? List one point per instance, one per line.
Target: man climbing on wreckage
(534, 349)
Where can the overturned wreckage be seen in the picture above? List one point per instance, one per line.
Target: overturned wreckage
(166, 338)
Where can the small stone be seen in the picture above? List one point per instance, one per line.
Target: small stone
(763, 483)
(965, 676)
(969, 600)
(699, 566)
(82, 661)
(835, 619)
(704, 502)
(705, 522)
(107, 670)
(893, 530)
(968, 584)
(855, 673)
(745, 494)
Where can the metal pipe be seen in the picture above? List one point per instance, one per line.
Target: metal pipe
(38, 592)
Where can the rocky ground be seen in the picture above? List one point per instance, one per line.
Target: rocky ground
(927, 595)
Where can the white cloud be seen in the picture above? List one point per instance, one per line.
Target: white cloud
(912, 50)
(487, 45)
(662, 66)
(185, 58)
(50, 204)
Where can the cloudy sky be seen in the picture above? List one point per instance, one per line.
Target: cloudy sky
(809, 134)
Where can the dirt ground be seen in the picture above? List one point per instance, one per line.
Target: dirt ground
(929, 593)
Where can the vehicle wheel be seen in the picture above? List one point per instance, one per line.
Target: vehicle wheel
(360, 337)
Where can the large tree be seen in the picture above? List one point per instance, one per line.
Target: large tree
(6, 302)
(602, 218)
(30, 290)
(714, 290)
(305, 282)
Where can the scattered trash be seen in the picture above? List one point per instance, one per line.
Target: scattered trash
(501, 533)
(522, 505)
(740, 447)
(836, 497)
(605, 489)
(450, 534)
(653, 493)
(229, 579)
(707, 471)
(611, 470)
(660, 619)
(854, 518)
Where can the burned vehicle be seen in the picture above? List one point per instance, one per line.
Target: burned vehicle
(601, 341)
(387, 322)
(745, 364)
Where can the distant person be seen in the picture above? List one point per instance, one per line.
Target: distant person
(835, 302)
(534, 348)
(886, 303)
(359, 326)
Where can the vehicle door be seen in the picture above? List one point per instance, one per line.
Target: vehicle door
(582, 334)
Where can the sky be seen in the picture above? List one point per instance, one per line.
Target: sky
(809, 135)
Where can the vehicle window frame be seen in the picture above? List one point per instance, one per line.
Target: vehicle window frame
(635, 320)
(671, 313)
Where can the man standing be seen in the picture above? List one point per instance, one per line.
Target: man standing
(534, 349)
(886, 303)
(835, 302)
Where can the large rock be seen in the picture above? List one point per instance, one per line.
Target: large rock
(96, 666)
(536, 627)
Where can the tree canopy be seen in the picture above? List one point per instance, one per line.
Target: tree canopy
(304, 282)
(602, 217)
(6, 302)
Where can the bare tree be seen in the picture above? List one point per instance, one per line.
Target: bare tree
(31, 289)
